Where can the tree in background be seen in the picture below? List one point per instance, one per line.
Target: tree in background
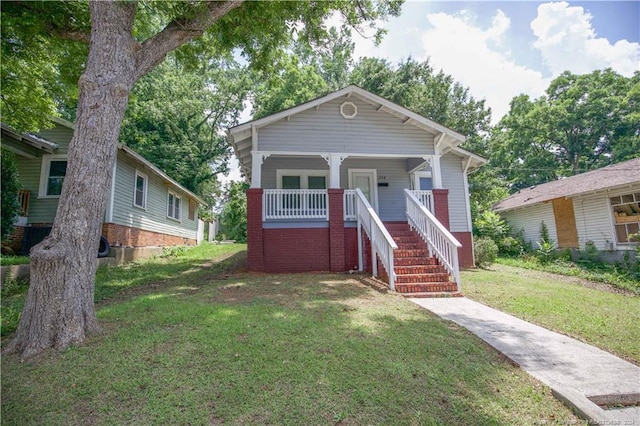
(126, 41)
(176, 119)
(583, 122)
(10, 185)
(233, 217)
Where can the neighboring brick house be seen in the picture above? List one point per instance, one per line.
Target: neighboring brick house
(351, 177)
(145, 206)
(601, 206)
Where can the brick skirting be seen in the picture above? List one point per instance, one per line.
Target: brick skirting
(119, 235)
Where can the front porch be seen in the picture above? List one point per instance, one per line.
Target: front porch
(339, 230)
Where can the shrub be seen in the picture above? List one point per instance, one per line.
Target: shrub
(509, 246)
(10, 185)
(485, 251)
(490, 224)
(546, 251)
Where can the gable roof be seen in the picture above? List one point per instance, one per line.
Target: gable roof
(241, 135)
(614, 176)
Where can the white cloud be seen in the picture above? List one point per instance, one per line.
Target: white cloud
(567, 40)
(475, 57)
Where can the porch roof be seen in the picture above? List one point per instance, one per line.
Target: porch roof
(243, 137)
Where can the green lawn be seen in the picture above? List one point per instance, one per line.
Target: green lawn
(608, 320)
(207, 343)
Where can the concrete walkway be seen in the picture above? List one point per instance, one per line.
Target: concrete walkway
(574, 370)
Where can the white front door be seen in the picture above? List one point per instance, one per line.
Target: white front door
(366, 180)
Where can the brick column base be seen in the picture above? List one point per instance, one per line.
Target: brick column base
(441, 206)
(336, 230)
(255, 245)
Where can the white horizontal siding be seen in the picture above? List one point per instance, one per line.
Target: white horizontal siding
(530, 219)
(593, 220)
(452, 179)
(154, 218)
(325, 130)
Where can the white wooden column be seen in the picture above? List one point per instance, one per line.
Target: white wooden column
(257, 158)
(334, 160)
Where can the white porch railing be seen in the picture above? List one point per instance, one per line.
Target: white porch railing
(295, 204)
(381, 242)
(440, 241)
(425, 197)
(349, 204)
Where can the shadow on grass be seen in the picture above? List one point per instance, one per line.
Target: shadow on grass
(227, 347)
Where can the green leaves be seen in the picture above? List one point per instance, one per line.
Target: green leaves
(584, 122)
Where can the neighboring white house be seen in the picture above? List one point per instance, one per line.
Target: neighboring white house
(333, 175)
(601, 206)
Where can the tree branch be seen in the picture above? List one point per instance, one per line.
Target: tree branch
(179, 32)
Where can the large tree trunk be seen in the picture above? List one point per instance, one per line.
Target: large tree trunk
(59, 309)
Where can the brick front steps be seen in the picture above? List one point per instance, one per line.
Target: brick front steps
(417, 273)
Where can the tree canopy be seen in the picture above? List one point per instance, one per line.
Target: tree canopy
(583, 122)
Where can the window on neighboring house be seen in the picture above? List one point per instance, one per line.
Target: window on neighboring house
(173, 206)
(626, 213)
(140, 191)
(52, 174)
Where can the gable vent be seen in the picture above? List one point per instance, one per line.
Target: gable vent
(348, 110)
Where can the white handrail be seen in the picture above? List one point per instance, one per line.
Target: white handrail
(295, 204)
(381, 242)
(349, 204)
(440, 241)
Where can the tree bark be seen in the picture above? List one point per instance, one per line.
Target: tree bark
(60, 309)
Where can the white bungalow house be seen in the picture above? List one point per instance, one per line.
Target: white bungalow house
(601, 206)
(352, 181)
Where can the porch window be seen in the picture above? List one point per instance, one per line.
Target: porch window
(52, 174)
(626, 213)
(302, 179)
(423, 181)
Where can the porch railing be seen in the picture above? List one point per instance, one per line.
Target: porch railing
(440, 241)
(381, 242)
(282, 204)
(425, 197)
(349, 204)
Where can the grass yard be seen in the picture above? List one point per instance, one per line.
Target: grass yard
(206, 343)
(595, 313)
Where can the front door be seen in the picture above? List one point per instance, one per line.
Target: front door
(366, 180)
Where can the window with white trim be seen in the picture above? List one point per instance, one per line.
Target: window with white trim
(302, 179)
(52, 174)
(626, 213)
(173, 205)
(140, 190)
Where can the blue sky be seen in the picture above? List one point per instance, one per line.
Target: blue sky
(500, 49)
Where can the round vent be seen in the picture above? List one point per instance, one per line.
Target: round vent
(348, 110)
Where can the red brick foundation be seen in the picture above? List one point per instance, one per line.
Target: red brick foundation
(119, 235)
(465, 253)
(14, 241)
(295, 250)
(255, 240)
